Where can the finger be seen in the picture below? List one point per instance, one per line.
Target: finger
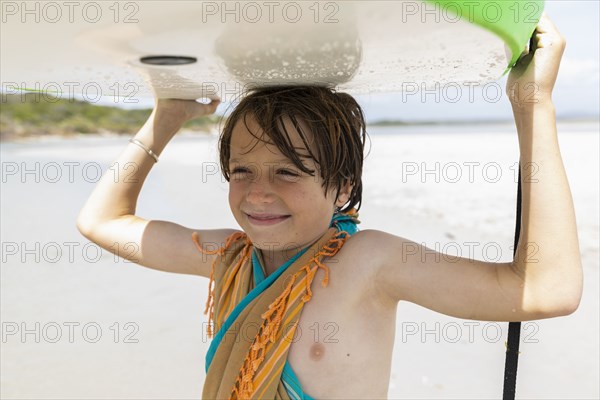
(545, 24)
(534, 41)
(212, 106)
(548, 38)
(531, 44)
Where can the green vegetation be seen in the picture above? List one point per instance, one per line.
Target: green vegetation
(35, 115)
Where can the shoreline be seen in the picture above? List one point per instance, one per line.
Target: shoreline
(451, 127)
(96, 135)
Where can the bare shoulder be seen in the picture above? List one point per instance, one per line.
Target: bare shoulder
(370, 245)
(363, 255)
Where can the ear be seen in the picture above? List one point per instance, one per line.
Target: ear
(344, 194)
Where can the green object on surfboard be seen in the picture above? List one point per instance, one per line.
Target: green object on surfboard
(189, 50)
(513, 21)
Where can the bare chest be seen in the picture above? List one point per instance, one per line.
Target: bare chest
(344, 339)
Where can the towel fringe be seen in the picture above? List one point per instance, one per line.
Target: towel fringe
(234, 237)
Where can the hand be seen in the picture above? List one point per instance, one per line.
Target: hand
(532, 79)
(180, 111)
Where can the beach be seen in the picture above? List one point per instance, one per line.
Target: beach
(80, 323)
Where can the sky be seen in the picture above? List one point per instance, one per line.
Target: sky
(576, 93)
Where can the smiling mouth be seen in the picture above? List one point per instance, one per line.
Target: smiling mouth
(266, 219)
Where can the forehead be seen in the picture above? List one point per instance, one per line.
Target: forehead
(247, 136)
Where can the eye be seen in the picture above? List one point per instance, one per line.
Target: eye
(288, 175)
(287, 172)
(239, 172)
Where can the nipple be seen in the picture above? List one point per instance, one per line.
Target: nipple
(317, 351)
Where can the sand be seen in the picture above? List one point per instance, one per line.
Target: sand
(80, 324)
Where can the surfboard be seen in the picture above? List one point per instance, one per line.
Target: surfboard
(208, 49)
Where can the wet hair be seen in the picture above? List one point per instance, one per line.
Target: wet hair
(335, 141)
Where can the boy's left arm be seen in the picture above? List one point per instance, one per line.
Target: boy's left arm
(545, 279)
(548, 225)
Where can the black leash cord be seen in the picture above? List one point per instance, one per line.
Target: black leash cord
(514, 328)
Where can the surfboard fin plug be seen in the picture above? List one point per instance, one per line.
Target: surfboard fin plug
(168, 60)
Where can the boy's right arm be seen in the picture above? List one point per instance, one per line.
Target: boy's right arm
(108, 217)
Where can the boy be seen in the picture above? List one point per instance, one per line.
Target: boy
(293, 159)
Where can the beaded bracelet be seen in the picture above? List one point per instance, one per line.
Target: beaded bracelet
(146, 149)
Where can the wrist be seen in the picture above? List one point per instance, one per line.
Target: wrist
(540, 119)
(148, 150)
(157, 132)
(168, 117)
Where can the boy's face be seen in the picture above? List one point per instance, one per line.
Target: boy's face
(276, 204)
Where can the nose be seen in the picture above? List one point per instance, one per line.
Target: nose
(259, 192)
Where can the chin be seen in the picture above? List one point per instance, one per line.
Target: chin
(267, 242)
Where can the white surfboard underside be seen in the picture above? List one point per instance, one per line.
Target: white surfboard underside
(357, 46)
